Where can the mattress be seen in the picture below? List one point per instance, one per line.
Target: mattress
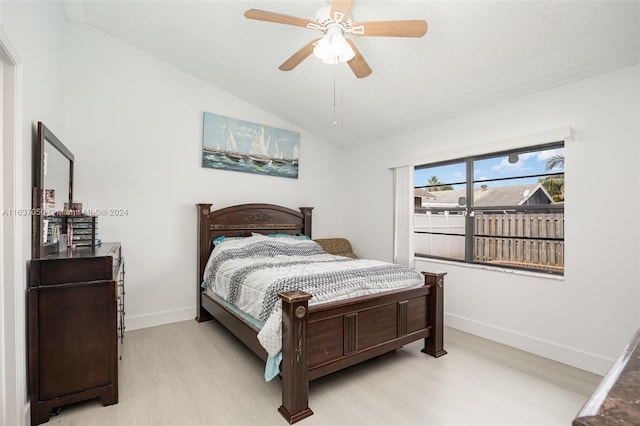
(248, 273)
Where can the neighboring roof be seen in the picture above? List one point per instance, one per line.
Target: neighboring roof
(489, 196)
(424, 194)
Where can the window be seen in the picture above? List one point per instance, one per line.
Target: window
(504, 209)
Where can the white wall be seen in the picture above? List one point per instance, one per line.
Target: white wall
(35, 31)
(586, 319)
(135, 128)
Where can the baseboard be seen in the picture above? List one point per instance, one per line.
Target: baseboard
(26, 413)
(561, 353)
(564, 354)
(158, 318)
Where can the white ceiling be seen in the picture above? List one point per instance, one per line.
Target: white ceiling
(475, 53)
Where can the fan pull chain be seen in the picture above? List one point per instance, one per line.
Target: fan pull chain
(335, 122)
(341, 100)
(335, 100)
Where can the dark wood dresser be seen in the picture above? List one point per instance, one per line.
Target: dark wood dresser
(76, 326)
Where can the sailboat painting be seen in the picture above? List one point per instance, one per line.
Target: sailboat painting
(232, 144)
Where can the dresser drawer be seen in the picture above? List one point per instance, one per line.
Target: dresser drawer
(71, 270)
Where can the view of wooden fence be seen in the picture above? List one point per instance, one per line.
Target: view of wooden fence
(527, 239)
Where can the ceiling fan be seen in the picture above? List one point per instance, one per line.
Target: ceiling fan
(334, 22)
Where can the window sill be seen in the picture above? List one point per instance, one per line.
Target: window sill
(491, 268)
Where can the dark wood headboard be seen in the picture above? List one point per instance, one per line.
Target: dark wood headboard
(243, 220)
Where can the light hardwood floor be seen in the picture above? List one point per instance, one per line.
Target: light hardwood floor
(198, 374)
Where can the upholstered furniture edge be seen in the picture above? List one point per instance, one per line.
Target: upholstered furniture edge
(339, 246)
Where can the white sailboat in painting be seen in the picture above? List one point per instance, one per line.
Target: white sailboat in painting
(277, 154)
(232, 147)
(296, 155)
(213, 149)
(259, 151)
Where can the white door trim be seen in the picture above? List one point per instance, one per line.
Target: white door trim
(13, 377)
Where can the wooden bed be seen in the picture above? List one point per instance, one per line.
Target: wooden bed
(324, 338)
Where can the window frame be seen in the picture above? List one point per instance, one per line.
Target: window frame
(469, 210)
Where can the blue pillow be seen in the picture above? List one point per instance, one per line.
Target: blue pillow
(223, 238)
(297, 237)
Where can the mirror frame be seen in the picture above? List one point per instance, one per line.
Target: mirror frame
(38, 248)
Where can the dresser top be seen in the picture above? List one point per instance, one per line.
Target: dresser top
(78, 265)
(104, 249)
(615, 400)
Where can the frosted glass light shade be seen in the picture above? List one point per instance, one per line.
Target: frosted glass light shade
(333, 49)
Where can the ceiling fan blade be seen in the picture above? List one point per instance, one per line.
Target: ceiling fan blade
(298, 57)
(343, 7)
(358, 65)
(278, 18)
(414, 28)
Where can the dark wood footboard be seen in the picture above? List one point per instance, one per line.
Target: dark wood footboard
(322, 339)
(434, 344)
(295, 350)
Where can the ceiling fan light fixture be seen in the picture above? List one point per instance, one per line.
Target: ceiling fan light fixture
(339, 46)
(348, 54)
(322, 48)
(333, 49)
(331, 60)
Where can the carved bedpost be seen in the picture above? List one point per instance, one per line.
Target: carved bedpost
(293, 369)
(434, 344)
(203, 254)
(306, 220)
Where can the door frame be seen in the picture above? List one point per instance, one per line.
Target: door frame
(13, 353)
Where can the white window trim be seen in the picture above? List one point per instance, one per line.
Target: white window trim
(490, 268)
(401, 225)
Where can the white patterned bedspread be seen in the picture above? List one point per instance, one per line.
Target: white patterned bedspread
(249, 273)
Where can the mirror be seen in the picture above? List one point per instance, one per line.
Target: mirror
(52, 192)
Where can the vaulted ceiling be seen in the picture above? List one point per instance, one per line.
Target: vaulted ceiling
(475, 53)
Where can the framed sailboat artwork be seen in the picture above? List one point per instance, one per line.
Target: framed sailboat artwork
(242, 146)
